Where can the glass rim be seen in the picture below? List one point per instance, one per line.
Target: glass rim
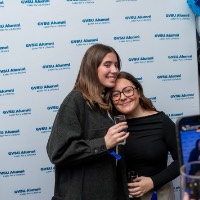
(183, 167)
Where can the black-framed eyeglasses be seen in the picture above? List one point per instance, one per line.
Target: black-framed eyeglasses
(127, 91)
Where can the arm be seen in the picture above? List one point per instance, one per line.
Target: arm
(68, 143)
(78, 136)
(172, 170)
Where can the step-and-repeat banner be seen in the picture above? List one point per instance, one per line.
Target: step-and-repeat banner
(41, 45)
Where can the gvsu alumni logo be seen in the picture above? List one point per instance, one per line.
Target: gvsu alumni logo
(9, 132)
(28, 191)
(127, 38)
(52, 24)
(87, 41)
(12, 173)
(180, 57)
(36, 2)
(13, 71)
(22, 153)
(47, 169)
(10, 27)
(138, 18)
(167, 36)
(53, 108)
(40, 45)
(182, 96)
(177, 16)
(169, 77)
(96, 21)
(45, 88)
(55, 67)
(7, 92)
(174, 116)
(17, 112)
(140, 60)
(44, 129)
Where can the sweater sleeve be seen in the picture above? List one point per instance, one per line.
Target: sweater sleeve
(68, 143)
(172, 170)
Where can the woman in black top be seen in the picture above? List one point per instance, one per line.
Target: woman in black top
(152, 137)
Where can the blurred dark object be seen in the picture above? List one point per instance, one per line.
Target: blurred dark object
(198, 51)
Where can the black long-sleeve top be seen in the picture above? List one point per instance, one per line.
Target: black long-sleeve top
(151, 140)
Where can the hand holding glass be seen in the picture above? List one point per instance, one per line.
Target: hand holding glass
(118, 119)
(132, 175)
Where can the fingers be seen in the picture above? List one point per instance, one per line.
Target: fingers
(140, 186)
(136, 191)
(120, 127)
(116, 134)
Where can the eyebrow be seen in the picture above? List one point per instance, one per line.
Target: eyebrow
(111, 62)
(124, 87)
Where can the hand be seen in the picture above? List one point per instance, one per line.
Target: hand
(116, 134)
(140, 186)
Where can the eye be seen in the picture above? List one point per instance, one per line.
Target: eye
(107, 65)
(115, 94)
(128, 90)
(117, 65)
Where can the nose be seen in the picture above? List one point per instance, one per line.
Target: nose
(114, 69)
(122, 96)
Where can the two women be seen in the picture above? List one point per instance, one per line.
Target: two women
(84, 134)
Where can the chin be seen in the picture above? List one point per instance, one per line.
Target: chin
(111, 85)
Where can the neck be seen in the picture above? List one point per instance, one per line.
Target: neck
(139, 112)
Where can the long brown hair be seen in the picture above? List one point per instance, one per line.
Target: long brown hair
(87, 81)
(145, 103)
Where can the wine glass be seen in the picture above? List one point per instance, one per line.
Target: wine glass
(131, 176)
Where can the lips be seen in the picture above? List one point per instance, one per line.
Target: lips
(113, 77)
(125, 103)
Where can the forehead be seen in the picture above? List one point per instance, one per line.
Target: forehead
(122, 83)
(110, 57)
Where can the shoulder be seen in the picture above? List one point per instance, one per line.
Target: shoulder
(165, 116)
(74, 101)
(74, 97)
(162, 117)
(168, 124)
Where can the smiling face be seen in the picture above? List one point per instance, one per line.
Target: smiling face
(108, 70)
(129, 106)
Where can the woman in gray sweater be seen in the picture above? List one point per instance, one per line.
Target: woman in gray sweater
(83, 132)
